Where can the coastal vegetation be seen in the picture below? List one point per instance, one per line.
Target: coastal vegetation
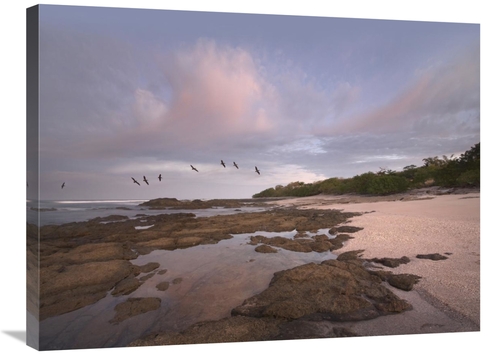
(463, 171)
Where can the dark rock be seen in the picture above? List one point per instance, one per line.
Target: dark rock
(147, 277)
(187, 242)
(435, 256)
(281, 242)
(163, 286)
(93, 252)
(320, 246)
(265, 249)
(344, 229)
(391, 262)
(126, 286)
(230, 329)
(350, 255)
(149, 267)
(321, 238)
(319, 243)
(333, 290)
(111, 218)
(404, 282)
(79, 285)
(339, 240)
(133, 307)
(302, 329)
(301, 234)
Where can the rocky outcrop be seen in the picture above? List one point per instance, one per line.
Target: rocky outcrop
(333, 290)
(66, 288)
(80, 262)
(319, 243)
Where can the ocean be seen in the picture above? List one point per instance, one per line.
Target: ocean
(66, 211)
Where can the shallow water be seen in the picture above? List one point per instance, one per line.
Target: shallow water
(213, 280)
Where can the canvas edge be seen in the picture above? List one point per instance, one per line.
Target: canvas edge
(32, 177)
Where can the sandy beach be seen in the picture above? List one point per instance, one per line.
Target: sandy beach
(424, 224)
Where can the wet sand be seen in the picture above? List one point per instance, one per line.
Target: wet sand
(447, 297)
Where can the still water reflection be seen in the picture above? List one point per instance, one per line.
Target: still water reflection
(210, 280)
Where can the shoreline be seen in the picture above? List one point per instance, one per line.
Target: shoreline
(444, 223)
(382, 231)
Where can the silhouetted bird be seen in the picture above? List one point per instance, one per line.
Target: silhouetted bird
(62, 186)
(145, 180)
(192, 167)
(257, 170)
(159, 177)
(235, 165)
(135, 181)
(222, 163)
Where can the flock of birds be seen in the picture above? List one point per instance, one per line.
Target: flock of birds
(192, 168)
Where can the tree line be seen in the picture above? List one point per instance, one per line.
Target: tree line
(463, 171)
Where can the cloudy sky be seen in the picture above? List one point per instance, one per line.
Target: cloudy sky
(131, 93)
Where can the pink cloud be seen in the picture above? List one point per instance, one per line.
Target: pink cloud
(437, 92)
(215, 88)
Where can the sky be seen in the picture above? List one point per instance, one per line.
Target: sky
(133, 92)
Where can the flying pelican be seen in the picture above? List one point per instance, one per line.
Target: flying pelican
(159, 177)
(145, 180)
(135, 181)
(62, 186)
(192, 167)
(257, 170)
(222, 163)
(235, 165)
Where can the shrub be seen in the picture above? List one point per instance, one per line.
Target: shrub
(463, 171)
(470, 178)
(333, 186)
(270, 192)
(387, 184)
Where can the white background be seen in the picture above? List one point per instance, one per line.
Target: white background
(13, 165)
